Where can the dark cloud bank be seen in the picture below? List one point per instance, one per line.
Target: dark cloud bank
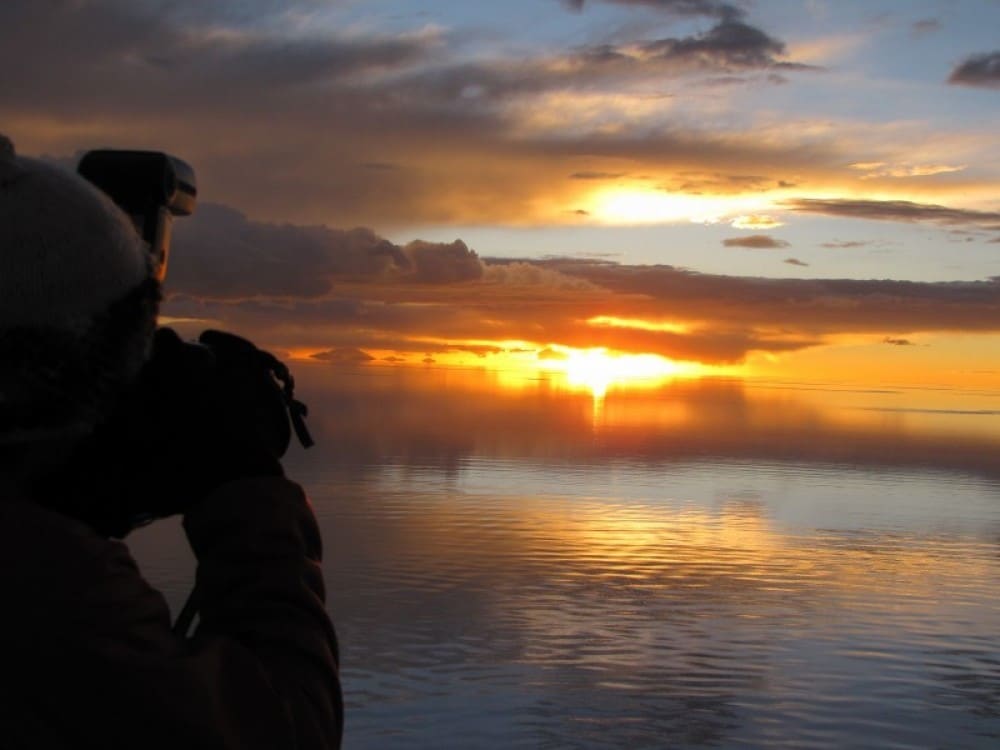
(226, 255)
(341, 291)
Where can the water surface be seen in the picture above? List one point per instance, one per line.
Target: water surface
(704, 564)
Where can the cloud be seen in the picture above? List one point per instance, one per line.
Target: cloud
(897, 342)
(596, 175)
(528, 274)
(365, 128)
(220, 253)
(755, 241)
(709, 8)
(119, 49)
(728, 46)
(438, 263)
(552, 354)
(416, 128)
(756, 221)
(345, 356)
(844, 244)
(894, 211)
(925, 26)
(881, 169)
(810, 306)
(979, 70)
(295, 287)
(795, 262)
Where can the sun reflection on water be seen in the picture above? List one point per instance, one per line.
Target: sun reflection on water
(598, 370)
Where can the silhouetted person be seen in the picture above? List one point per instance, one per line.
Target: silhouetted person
(103, 422)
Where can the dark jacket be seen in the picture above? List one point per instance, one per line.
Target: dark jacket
(89, 660)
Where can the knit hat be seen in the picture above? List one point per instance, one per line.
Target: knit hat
(77, 302)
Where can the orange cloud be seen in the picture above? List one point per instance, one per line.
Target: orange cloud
(323, 290)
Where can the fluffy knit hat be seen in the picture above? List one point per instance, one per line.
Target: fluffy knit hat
(77, 301)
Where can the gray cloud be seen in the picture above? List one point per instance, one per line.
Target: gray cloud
(707, 8)
(925, 26)
(816, 306)
(795, 262)
(91, 55)
(756, 241)
(895, 211)
(220, 253)
(897, 342)
(439, 263)
(844, 244)
(728, 46)
(979, 70)
(111, 53)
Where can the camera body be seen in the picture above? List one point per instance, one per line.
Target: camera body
(151, 187)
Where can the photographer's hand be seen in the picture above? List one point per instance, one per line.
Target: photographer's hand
(201, 421)
(199, 415)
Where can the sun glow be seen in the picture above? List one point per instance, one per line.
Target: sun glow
(635, 205)
(518, 364)
(596, 370)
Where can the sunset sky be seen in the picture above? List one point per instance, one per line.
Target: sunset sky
(792, 189)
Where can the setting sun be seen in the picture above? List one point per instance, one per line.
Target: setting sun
(598, 369)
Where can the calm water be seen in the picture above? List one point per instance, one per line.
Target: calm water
(698, 565)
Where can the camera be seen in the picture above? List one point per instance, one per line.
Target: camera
(220, 386)
(151, 187)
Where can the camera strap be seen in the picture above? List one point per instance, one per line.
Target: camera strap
(297, 411)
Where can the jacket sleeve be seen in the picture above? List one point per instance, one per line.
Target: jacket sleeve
(259, 585)
(96, 663)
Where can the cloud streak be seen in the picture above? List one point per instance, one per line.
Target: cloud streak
(708, 8)
(756, 242)
(906, 211)
(978, 70)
